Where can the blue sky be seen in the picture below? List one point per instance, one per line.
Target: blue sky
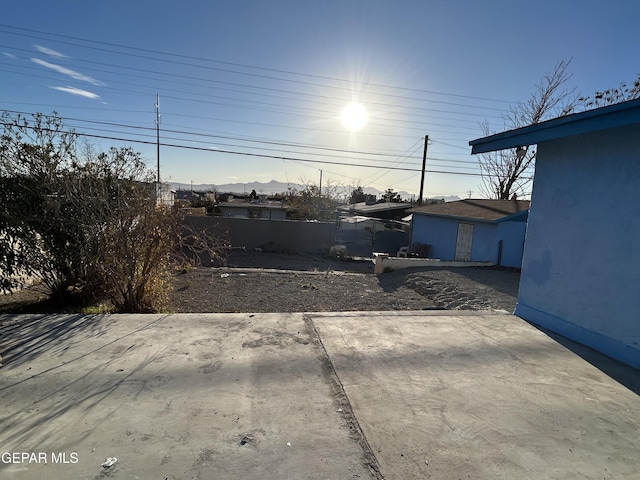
(255, 88)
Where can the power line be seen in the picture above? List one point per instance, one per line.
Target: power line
(428, 123)
(322, 149)
(199, 117)
(208, 135)
(156, 52)
(325, 97)
(180, 138)
(424, 124)
(403, 158)
(376, 177)
(256, 155)
(168, 137)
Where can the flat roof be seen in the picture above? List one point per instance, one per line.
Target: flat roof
(618, 115)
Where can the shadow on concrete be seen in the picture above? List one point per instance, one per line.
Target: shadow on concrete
(85, 393)
(98, 381)
(618, 371)
(102, 388)
(25, 337)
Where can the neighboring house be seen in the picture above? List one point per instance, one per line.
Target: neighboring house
(242, 208)
(473, 230)
(580, 270)
(188, 195)
(165, 195)
(186, 198)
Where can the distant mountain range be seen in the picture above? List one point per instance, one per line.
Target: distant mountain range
(273, 187)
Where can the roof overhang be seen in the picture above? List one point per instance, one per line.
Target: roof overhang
(618, 115)
(506, 218)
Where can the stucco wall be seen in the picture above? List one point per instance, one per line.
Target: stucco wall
(485, 243)
(580, 273)
(512, 235)
(272, 235)
(246, 212)
(442, 234)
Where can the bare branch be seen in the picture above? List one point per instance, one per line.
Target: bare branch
(507, 173)
(611, 96)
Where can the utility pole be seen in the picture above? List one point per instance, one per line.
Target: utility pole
(158, 133)
(320, 189)
(424, 165)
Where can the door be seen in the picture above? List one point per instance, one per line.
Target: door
(464, 242)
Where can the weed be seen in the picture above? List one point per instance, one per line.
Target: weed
(98, 309)
(186, 268)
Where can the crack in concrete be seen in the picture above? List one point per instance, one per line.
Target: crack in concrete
(344, 404)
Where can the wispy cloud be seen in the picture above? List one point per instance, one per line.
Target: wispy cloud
(67, 71)
(50, 52)
(77, 91)
(7, 54)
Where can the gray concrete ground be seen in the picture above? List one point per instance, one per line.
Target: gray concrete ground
(172, 397)
(228, 396)
(461, 395)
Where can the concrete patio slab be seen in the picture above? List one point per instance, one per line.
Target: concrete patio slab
(477, 395)
(222, 396)
(455, 395)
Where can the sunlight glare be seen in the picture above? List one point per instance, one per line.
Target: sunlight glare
(354, 116)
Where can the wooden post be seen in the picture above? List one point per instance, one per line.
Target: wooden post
(424, 165)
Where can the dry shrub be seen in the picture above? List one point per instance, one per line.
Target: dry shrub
(135, 260)
(87, 224)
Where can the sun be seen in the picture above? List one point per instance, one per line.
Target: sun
(354, 116)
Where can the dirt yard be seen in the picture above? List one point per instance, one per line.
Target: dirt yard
(269, 282)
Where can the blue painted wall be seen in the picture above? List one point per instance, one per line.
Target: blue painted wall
(485, 244)
(441, 234)
(512, 235)
(581, 264)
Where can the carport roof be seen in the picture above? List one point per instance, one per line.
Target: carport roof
(475, 209)
(363, 209)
